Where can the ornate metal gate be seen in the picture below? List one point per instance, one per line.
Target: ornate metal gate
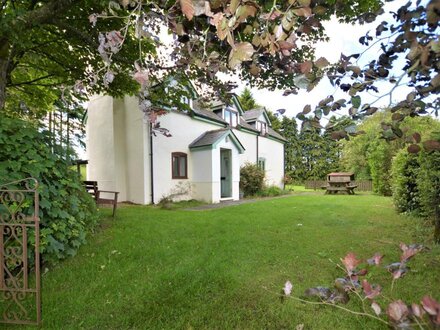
(20, 291)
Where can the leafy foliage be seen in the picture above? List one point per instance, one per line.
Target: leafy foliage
(251, 179)
(370, 156)
(271, 191)
(67, 211)
(247, 100)
(405, 170)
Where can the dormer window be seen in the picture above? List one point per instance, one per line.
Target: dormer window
(231, 116)
(261, 126)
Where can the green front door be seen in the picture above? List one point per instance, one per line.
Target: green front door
(226, 173)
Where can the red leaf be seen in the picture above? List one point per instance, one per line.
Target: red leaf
(431, 145)
(417, 138)
(417, 310)
(187, 8)
(350, 262)
(409, 251)
(397, 310)
(414, 149)
(370, 293)
(306, 66)
(431, 306)
(375, 260)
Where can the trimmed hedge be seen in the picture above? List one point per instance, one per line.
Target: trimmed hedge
(67, 211)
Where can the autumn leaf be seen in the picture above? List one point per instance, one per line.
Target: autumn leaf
(414, 149)
(375, 260)
(242, 52)
(397, 310)
(321, 62)
(369, 292)
(431, 145)
(306, 67)
(375, 306)
(417, 310)
(431, 306)
(187, 8)
(141, 76)
(286, 45)
(417, 138)
(350, 262)
(307, 109)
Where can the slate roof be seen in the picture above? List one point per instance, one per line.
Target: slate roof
(252, 114)
(274, 134)
(208, 138)
(211, 137)
(209, 115)
(247, 126)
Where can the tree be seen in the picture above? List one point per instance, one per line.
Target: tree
(292, 149)
(369, 156)
(45, 45)
(247, 100)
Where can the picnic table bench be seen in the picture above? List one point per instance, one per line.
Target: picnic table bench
(340, 182)
(92, 189)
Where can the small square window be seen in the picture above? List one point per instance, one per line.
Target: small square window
(179, 165)
(262, 163)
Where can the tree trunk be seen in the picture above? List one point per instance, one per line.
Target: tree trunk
(4, 68)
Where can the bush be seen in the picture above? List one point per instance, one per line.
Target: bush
(67, 211)
(428, 182)
(272, 191)
(405, 169)
(251, 179)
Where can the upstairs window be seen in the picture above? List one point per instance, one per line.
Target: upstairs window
(179, 165)
(231, 117)
(262, 127)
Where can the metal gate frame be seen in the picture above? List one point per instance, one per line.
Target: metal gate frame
(20, 292)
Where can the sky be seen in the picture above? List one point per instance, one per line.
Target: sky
(343, 39)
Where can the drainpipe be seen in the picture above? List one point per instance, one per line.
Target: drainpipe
(284, 166)
(257, 150)
(151, 165)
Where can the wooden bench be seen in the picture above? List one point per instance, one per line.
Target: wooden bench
(92, 189)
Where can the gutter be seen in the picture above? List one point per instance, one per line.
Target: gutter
(151, 165)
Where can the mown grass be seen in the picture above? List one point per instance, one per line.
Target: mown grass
(223, 268)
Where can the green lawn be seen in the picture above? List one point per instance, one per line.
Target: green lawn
(223, 268)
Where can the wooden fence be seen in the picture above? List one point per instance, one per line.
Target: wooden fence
(364, 185)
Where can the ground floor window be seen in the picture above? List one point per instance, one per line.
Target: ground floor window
(179, 164)
(262, 163)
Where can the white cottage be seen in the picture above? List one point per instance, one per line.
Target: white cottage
(201, 160)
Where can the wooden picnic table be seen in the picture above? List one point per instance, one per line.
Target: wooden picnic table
(340, 182)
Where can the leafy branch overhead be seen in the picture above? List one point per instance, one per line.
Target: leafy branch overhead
(124, 49)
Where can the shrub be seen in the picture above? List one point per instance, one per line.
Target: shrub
(67, 211)
(251, 179)
(379, 160)
(428, 182)
(405, 169)
(272, 191)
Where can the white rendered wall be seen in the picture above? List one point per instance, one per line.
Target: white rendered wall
(100, 143)
(184, 130)
(273, 152)
(249, 142)
(136, 153)
(201, 160)
(116, 147)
